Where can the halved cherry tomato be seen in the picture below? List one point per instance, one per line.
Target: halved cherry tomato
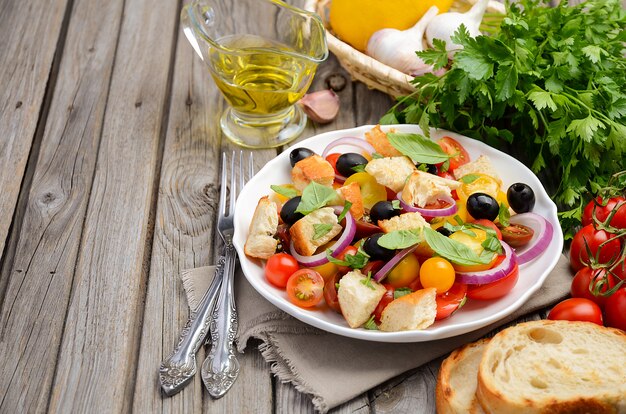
(371, 191)
(332, 160)
(279, 268)
(481, 184)
(615, 309)
(586, 279)
(327, 270)
(364, 230)
(437, 273)
(448, 302)
(577, 309)
(491, 225)
(384, 301)
(372, 266)
(330, 292)
(459, 154)
(517, 235)
(305, 288)
(495, 289)
(603, 246)
(404, 273)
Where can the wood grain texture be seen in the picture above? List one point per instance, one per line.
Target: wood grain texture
(97, 359)
(40, 277)
(26, 62)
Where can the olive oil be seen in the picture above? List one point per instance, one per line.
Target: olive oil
(263, 77)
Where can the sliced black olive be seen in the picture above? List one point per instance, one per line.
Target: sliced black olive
(347, 162)
(383, 210)
(288, 212)
(444, 231)
(298, 154)
(377, 252)
(482, 206)
(521, 197)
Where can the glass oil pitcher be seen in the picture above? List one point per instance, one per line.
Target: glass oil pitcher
(262, 55)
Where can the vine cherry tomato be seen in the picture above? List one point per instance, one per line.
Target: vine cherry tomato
(459, 154)
(279, 268)
(602, 245)
(517, 235)
(384, 301)
(404, 273)
(305, 288)
(615, 309)
(588, 280)
(437, 273)
(602, 212)
(494, 290)
(448, 302)
(577, 309)
(332, 160)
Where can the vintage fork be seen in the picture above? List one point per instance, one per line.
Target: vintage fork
(221, 367)
(180, 366)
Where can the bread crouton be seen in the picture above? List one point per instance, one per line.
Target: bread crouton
(391, 172)
(406, 221)
(352, 193)
(260, 242)
(303, 232)
(416, 310)
(482, 165)
(423, 188)
(358, 297)
(313, 168)
(378, 139)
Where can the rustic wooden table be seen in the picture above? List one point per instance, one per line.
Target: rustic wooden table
(108, 181)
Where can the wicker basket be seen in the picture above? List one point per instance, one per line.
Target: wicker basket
(371, 72)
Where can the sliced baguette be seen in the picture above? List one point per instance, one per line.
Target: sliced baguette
(456, 384)
(554, 367)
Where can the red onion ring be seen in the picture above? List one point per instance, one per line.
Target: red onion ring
(431, 212)
(491, 275)
(344, 241)
(388, 267)
(354, 141)
(541, 239)
(340, 178)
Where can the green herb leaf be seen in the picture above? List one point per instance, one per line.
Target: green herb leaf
(396, 204)
(376, 156)
(315, 196)
(356, 261)
(358, 168)
(284, 191)
(346, 208)
(399, 292)
(370, 324)
(321, 230)
(453, 250)
(399, 239)
(418, 148)
(469, 178)
(368, 281)
(504, 215)
(492, 244)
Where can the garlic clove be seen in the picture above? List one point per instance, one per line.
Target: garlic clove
(445, 25)
(321, 106)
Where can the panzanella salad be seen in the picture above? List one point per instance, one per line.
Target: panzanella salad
(397, 234)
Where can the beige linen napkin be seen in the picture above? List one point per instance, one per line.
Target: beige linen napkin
(334, 369)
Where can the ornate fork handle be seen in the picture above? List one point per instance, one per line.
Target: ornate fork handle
(180, 367)
(221, 367)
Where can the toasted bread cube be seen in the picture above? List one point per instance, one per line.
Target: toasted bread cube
(260, 242)
(423, 188)
(378, 139)
(482, 165)
(406, 221)
(391, 172)
(313, 168)
(303, 231)
(352, 193)
(357, 299)
(416, 310)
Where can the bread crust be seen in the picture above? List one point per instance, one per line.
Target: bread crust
(378, 139)
(261, 242)
(313, 168)
(352, 193)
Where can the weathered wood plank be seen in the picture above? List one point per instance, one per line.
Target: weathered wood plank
(97, 361)
(40, 277)
(26, 62)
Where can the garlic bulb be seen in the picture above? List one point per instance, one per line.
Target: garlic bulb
(444, 25)
(396, 48)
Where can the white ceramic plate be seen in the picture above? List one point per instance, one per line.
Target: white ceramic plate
(474, 315)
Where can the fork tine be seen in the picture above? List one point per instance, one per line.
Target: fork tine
(233, 185)
(222, 203)
(250, 167)
(242, 177)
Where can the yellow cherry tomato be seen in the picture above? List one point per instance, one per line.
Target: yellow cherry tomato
(501, 198)
(437, 273)
(371, 191)
(327, 270)
(404, 273)
(461, 214)
(481, 184)
(474, 242)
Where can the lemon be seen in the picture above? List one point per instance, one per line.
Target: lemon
(354, 21)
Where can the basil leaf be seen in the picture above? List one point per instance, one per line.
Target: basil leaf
(469, 178)
(418, 148)
(453, 250)
(504, 215)
(354, 261)
(283, 190)
(321, 230)
(315, 196)
(399, 239)
(396, 204)
(492, 244)
(358, 168)
(398, 293)
(346, 208)
(370, 324)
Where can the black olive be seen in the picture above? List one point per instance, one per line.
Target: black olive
(347, 162)
(430, 168)
(383, 210)
(482, 206)
(521, 197)
(298, 154)
(288, 212)
(444, 231)
(377, 252)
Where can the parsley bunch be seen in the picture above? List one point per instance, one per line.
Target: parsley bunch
(548, 88)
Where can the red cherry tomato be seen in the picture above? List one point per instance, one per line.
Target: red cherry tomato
(391, 195)
(586, 279)
(491, 225)
(495, 289)
(305, 288)
(597, 241)
(615, 310)
(384, 301)
(451, 147)
(448, 302)
(602, 212)
(279, 268)
(364, 230)
(330, 293)
(517, 235)
(577, 309)
(373, 266)
(348, 251)
(332, 160)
